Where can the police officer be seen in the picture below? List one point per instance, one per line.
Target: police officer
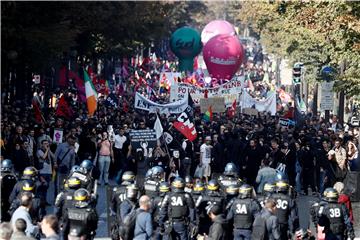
(29, 173)
(130, 202)
(37, 211)
(119, 193)
(164, 188)
(178, 208)
(268, 190)
(152, 181)
(8, 180)
(82, 218)
(286, 209)
(211, 197)
(334, 217)
(242, 212)
(198, 190)
(188, 184)
(229, 177)
(83, 173)
(65, 199)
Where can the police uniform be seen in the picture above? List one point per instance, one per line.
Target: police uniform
(118, 196)
(82, 218)
(203, 204)
(64, 200)
(151, 187)
(286, 213)
(86, 180)
(164, 188)
(8, 181)
(226, 181)
(243, 212)
(178, 208)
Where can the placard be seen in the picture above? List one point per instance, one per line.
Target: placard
(217, 104)
(58, 135)
(250, 111)
(145, 138)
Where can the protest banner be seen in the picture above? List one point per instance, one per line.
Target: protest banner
(262, 105)
(286, 122)
(217, 104)
(229, 91)
(176, 107)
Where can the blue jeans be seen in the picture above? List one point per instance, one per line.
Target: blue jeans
(104, 165)
(179, 231)
(242, 234)
(298, 182)
(322, 181)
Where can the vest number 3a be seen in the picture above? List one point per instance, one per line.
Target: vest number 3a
(176, 201)
(241, 209)
(281, 204)
(334, 212)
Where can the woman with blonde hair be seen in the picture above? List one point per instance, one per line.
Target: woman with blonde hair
(344, 198)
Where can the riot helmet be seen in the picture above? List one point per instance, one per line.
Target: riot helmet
(282, 186)
(198, 187)
(86, 166)
(330, 195)
(245, 191)
(178, 184)
(212, 185)
(132, 191)
(232, 190)
(74, 168)
(6, 165)
(157, 173)
(269, 188)
(73, 183)
(28, 186)
(148, 173)
(82, 198)
(230, 170)
(164, 187)
(30, 173)
(128, 176)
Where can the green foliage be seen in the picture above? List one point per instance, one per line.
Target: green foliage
(315, 33)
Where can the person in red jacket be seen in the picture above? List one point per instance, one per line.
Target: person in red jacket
(345, 199)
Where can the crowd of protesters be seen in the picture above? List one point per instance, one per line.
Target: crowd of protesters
(315, 155)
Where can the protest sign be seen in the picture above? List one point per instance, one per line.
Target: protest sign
(285, 122)
(58, 135)
(143, 139)
(217, 104)
(262, 105)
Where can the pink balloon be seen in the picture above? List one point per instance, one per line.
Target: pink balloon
(223, 55)
(215, 28)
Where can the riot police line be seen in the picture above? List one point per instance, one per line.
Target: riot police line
(181, 208)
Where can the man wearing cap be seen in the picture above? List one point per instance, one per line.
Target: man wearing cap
(205, 157)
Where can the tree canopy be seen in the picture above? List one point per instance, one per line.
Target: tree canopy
(316, 33)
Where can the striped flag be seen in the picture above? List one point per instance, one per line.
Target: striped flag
(91, 94)
(208, 116)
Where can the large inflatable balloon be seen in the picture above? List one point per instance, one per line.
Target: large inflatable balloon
(215, 28)
(186, 44)
(223, 55)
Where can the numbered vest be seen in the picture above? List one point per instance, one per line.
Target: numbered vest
(151, 188)
(283, 207)
(335, 215)
(177, 206)
(243, 217)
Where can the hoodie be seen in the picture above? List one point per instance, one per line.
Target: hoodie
(218, 229)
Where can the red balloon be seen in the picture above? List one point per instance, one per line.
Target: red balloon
(223, 55)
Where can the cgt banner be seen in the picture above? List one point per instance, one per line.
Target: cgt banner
(176, 107)
(229, 91)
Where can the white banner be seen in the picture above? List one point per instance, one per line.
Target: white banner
(170, 108)
(266, 105)
(229, 91)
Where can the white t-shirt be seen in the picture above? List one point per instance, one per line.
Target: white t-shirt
(206, 153)
(119, 141)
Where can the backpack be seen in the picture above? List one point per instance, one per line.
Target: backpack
(127, 228)
(259, 230)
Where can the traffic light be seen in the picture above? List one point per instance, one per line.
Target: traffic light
(297, 71)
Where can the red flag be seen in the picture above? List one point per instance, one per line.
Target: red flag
(64, 109)
(80, 85)
(63, 81)
(39, 118)
(232, 110)
(186, 127)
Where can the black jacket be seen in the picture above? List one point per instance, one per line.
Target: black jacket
(218, 229)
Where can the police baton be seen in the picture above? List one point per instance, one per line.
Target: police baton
(95, 188)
